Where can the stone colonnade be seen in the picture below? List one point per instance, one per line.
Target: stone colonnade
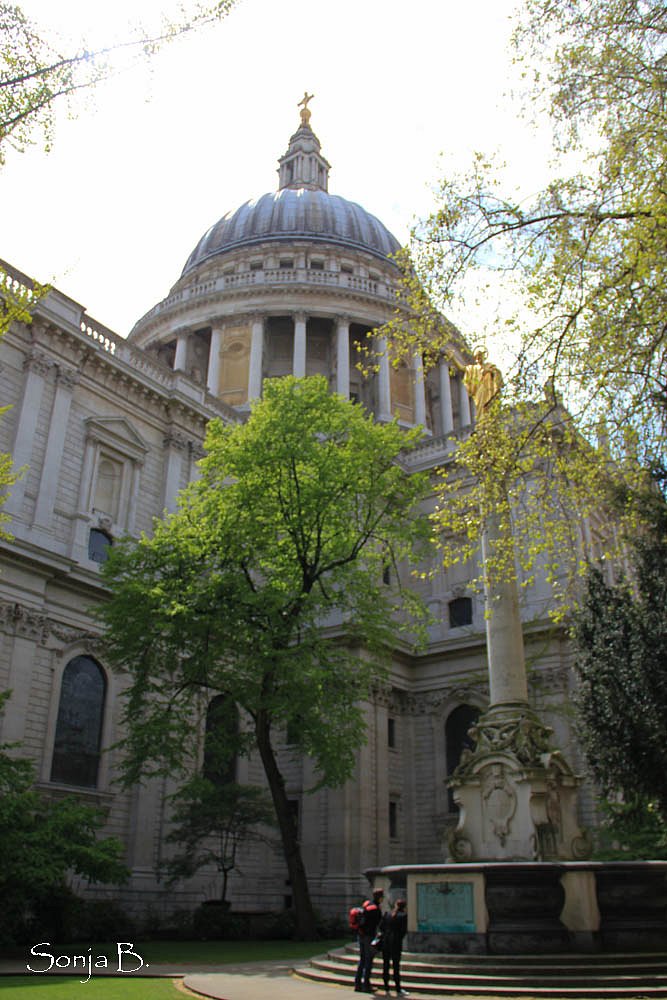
(450, 386)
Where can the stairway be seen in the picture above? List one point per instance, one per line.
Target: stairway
(575, 975)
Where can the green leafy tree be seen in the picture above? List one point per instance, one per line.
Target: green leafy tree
(586, 255)
(582, 263)
(35, 73)
(212, 822)
(267, 586)
(43, 841)
(620, 635)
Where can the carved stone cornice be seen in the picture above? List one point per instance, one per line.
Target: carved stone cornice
(435, 702)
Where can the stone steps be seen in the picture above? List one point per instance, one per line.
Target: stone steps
(575, 975)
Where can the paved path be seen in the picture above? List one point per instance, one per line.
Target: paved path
(261, 981)
(246, 981)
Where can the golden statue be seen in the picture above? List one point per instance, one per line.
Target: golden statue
(303, 104)
(482, 380)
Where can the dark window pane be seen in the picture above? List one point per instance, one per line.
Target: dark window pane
(391, 732)
(393, 820)
(99, 544)
(76, 751)
(460, 612)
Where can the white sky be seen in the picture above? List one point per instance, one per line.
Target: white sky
(155, 157)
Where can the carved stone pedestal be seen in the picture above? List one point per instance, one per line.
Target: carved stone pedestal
(516, 796)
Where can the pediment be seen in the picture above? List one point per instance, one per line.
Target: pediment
(117, 433)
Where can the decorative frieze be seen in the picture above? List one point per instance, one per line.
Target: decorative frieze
(29, 623)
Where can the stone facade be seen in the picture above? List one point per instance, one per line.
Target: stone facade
(108, 430)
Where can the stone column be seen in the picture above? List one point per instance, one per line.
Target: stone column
(181, 358)
(504, 634)
(343, 356)
(420, 390)
(66, 380)
(384, 383)
(446, 411)
(175, 445)
(299, 358)
(256, 358)
(516, 794)
(213, 377)
(464, 407)
(37, 367)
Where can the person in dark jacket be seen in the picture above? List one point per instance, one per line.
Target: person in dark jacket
(393, 927)
(370, 922)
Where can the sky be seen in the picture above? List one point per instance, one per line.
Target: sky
(404, 93)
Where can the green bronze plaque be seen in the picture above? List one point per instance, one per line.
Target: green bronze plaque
(446, 907)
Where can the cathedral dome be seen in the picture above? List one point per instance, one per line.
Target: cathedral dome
(296, 213)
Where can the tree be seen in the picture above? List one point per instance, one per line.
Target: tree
(620, 635)
(588, 252)
(585, 348)
(267, 586)
(213, 822)
(42, 841)
(35, 74)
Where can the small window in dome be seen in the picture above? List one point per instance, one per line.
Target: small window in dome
(228, 270)
(256, 265)
(374, 276)
(286, 264)
(347, 268)
(317, 265)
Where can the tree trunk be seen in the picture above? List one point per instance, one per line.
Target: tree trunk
(305, 917)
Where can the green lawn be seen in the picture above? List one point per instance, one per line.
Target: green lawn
(189, 954)
(65, 988)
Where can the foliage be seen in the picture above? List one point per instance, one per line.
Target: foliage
(35, 73)
(266, 586)
(527, 468)
(582, 269)
(212, 822)
(41, 841)
(588, 252)
(631, 831)
(620, 635)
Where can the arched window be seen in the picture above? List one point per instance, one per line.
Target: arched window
(222, 727)
(76, 750)
(457, 740)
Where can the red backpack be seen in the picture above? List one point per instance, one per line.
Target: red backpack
(355, 918)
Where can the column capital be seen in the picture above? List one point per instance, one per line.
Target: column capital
(300, 317)
(38, 362)
(342, 320)
(68, 378)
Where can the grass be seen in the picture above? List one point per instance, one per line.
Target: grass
(65, 988)
(188, 954)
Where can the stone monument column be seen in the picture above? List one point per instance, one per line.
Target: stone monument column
(516, 794)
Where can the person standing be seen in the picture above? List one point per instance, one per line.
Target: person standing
(393, 927)
(370, 921)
